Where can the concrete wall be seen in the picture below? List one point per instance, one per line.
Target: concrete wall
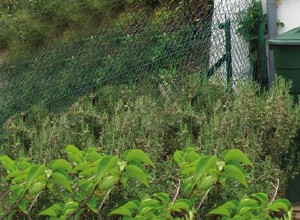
(288, 13)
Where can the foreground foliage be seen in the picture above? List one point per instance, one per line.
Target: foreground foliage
(81, 187)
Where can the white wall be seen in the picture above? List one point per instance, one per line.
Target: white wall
(288, 12)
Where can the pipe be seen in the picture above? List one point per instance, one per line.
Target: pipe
(272, 32)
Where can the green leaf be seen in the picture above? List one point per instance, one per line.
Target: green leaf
(82, 166)
(181, 204)
(7, 163)
(93, 155)
(23, 164)
(278, 206)
(146, 210)
(52, 211)
(262, 197)
(121, 211)
(237, 155)
(138, 155)
(61, 164)
(235, 173)
(207, 182)
(220, 211)
(92, 204)
(108, 182)
(138, 174)
(37, 187)
(23, 206)
(178, 157)
(34, 172)
(74, 153)
(104, 166)
(164, 197)
(126, 209)
(147, 202)
(60, 179)
(204, 165)
(230, 205)
(193, 156)
(71, 204)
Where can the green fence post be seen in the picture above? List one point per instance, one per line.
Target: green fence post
(262, 62)
(228, 49)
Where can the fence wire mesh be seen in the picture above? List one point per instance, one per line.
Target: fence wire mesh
(195, 41)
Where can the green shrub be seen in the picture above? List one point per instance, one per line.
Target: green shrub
(82, 186)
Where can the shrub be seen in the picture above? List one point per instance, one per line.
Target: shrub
(82, 185)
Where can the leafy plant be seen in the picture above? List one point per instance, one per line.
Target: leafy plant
(257, 206)
(88, 178)
(199, 175)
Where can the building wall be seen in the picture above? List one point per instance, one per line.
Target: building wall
(288, 12)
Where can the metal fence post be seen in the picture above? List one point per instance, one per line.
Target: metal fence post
(228, 49)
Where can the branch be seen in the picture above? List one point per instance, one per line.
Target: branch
(104, 199)
(203, 198)
(83, 204)
(34, 201)
(177, 191)
(276, 191)
(15, 206)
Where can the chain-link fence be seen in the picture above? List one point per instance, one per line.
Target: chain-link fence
(194, 40)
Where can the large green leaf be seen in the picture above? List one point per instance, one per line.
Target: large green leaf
(92, 204)
(279, 205)
(61, 164)
(23, 206)
(62, 180)
(74, 153)
(164, 197)
(204, 165)
(121, 211)
(137, 173)
(126, 209)
(178, 157)
(235, 173)
(52, 211)
(138, 155)
(262, 197)
(103, 167)
(237, 155)
(7, 163)
(81, 166)
(220, 211)
(180, 205)
(34, 172)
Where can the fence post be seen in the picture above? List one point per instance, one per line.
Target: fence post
(228, 49)
(262, 62)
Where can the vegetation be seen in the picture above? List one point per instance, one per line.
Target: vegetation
(88, 178)
(28, 25)
(160, 122)
(158, 111)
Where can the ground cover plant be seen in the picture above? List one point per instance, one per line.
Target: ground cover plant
(160, 122)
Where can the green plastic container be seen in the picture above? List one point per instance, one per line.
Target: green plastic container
(286, 49)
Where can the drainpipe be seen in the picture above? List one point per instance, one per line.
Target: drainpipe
(272, 32)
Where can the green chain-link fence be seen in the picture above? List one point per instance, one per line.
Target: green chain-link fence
(193, 41)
